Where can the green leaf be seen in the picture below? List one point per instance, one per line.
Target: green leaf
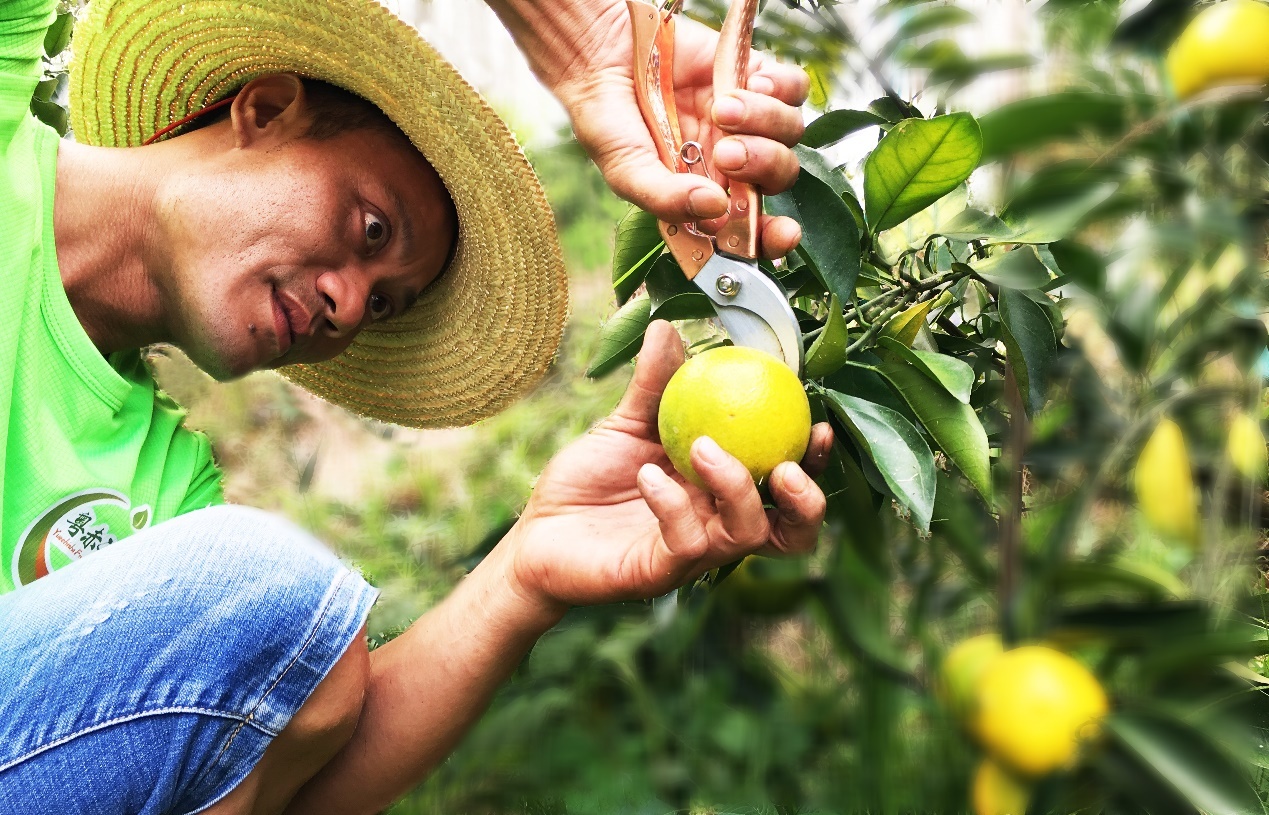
(973, 224)
(621, 336)
(918, 162)
(1029, 342)
(1183, 758)
(837, 125)
(1080, 263)
(53, 115)
(58, 35)
(955, 375)
(896, 447)
(828, 352)
(1031, 123)
(830, 239)
(673, 296)
(1047, 224)
(1017, 269)
(906, 325)
(952, 423)
(637, 244)
(925, 21)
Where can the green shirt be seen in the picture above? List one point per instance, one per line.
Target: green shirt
(90, 450)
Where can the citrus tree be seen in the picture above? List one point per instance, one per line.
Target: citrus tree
(1047, 404)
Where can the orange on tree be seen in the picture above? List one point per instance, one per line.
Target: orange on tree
(997, 791)
(1226, 43)
(1035, 708)
(1245, 447)
(1165, 485)
(744, 399)
(961, 671)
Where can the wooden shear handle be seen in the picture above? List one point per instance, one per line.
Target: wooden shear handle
(654, 91)
(739, 236)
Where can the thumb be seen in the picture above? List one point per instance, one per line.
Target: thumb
(639, 177)
(660, 356)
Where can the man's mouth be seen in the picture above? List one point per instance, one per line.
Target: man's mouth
(283, 326)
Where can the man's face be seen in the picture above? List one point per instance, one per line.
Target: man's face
(285, 253)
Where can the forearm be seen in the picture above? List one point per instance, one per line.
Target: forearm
(554, 34)
(426, 689)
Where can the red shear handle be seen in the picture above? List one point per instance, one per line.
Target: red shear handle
(739, 236)
(654, 91)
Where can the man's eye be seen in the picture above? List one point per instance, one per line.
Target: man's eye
(376, 232)
(378, 306)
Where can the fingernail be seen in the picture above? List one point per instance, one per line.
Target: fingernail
(709, 451)
(761, 84)
(731, 154)
(653, 477)
(795, 479)
(728, 110)
(705, 202)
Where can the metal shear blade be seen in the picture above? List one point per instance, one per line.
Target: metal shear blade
(752, 308)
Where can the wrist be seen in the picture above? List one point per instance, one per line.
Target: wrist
(557, 36)
(507, 597)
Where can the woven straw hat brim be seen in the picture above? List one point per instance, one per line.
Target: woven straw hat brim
(479, 337)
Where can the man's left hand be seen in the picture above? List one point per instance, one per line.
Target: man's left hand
(611, 520)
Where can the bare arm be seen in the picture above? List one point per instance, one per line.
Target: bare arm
(427, 688)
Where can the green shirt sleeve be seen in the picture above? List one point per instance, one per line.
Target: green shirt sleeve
(205, 488)
(22, 27)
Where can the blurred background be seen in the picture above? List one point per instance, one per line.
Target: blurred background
(1116, 196)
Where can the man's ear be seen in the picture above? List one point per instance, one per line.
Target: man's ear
(269, 110)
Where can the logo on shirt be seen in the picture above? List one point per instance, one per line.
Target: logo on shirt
(73, 527)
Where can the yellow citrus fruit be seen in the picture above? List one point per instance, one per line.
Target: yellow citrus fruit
(996, 791)
(1246, 447)
(961, 671)
(1035, 706)
(1165, 485)
(1225, 43)
(744, 399)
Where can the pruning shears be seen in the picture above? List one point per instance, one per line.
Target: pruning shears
(751, 306)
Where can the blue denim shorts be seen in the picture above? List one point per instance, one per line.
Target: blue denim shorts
(150, 677)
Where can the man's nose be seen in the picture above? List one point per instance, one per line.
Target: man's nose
(345, 300)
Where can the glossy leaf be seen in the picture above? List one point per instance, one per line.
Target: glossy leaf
(830, 239)
(837, 125)
(952, 423)
(918, 162)
(1079, 263)
(1030, 344)
(637, 245)
(955, 375)
(905, 325)
(1018, 269)
(895, 447)
(621, 337)
(1183, 758)
(828, 352)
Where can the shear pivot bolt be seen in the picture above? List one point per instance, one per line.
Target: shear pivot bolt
(727, 285)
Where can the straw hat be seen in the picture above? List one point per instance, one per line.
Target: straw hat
(485, 332)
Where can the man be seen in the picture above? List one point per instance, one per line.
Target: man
(391, 252)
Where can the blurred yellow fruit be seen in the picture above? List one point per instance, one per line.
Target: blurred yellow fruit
(765, 586)
(1035, 706)
(1165, 485)
(961, 671)
(746, 400)
(996, 791)
(1226, 43)
(1246, 447)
